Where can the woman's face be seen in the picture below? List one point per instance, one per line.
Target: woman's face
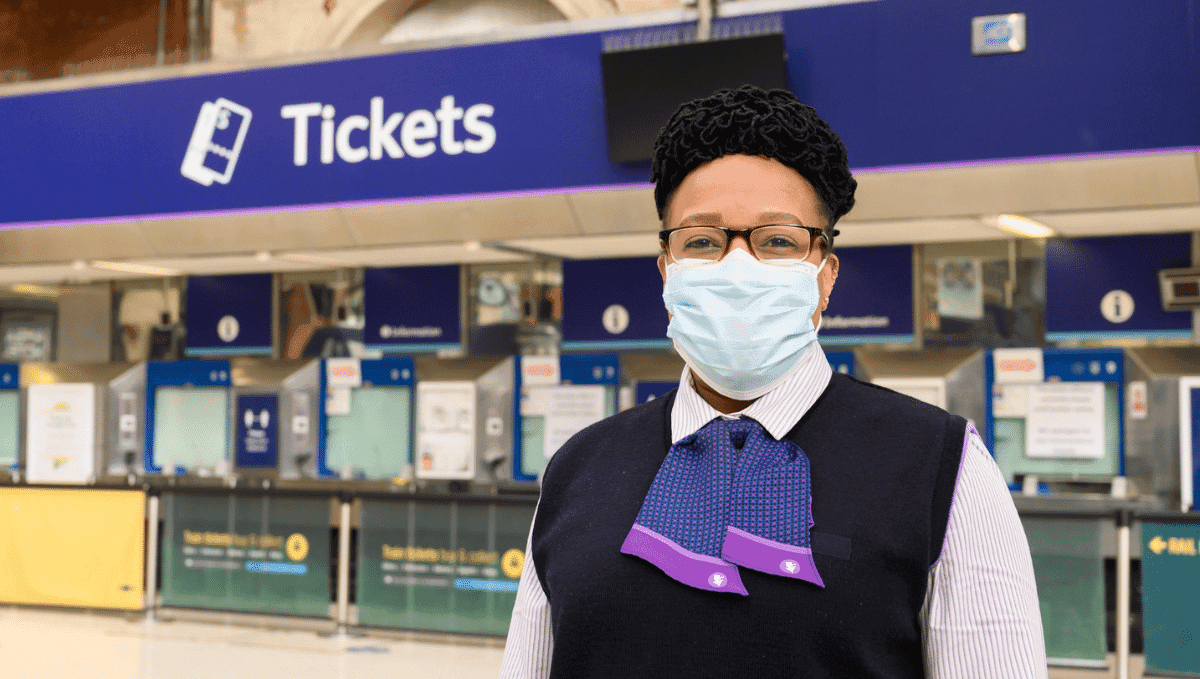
(740, 191)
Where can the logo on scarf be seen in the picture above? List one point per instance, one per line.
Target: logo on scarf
(789, 566)
(717, 580)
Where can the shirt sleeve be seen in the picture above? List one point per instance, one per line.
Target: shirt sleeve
(981, 606)
(528, 648)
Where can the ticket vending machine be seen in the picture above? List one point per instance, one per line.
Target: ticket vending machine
(188, 411)
(367, 418)
(951, 379)
(561, 395)
(465, 415)
(273, 407)
(1055, 419)
(10, 417)
(1162, 404)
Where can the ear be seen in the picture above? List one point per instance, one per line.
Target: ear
(662, 266)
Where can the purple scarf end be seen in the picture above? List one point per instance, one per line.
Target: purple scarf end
(769, 556)
(695, 570)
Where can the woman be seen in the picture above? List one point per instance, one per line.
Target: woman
(769, 518)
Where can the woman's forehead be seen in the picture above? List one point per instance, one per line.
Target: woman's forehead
(740, 189)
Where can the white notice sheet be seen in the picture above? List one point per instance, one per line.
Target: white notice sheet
(1066, 420)
(570, 409)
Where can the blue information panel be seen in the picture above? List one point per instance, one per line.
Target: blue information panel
(613, 304)
(10, 376)
(413, 309)
(1107, 288)
(589, 369)
(648, 391)
(872, 301)
(229, 315)
(841, 361)
(257, 431)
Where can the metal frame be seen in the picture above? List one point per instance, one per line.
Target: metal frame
(1186, 491)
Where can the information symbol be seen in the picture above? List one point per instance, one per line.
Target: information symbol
(1117, 306)
(615, 319)
(228, 328)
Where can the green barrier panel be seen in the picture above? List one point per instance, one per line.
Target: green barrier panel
(268, 555)
(440, 566)
(1171, 597)
(1068, 563)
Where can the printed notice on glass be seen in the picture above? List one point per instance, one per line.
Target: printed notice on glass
(570, 409)
(1066, 420)
(61, 433)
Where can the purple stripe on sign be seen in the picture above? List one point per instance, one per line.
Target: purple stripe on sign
(768, 556)
(694, 570)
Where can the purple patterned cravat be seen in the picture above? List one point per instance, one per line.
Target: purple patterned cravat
(728, 494)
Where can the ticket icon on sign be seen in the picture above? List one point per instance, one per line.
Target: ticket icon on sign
(216, 142)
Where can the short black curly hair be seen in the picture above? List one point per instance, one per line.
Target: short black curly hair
(754, 122)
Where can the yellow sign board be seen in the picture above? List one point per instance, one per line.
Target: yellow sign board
(83, 548)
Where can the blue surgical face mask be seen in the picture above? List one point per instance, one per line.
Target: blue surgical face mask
(741, 324)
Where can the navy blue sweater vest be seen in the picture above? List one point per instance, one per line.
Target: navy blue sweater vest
(883, 472)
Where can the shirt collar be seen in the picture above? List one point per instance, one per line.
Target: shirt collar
(777, 411)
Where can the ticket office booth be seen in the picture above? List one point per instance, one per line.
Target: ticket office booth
(10, 416)
(465, 415)
(366, 425)
(273, 407)
(188, 409)
(1054, 417)
(560, 396)
(950, 379)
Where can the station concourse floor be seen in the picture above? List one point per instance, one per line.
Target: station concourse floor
(38, 643)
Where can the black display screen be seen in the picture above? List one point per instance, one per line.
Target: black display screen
(643, 87)
(1186, 289)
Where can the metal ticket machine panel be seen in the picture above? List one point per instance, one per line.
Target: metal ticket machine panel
(1162, 404)
(465, 415)
(125, 444)
(951, 379)
(1055, 419)
(66, 420)
(188, 408)
(10, 417)
(561, 395)
(272, 410)
(366, 426)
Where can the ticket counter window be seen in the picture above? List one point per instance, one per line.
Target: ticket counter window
(10, 412)
(1086, 450)
(191, 428)
(375, 437)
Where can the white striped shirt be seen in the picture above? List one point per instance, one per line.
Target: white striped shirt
(981, 614)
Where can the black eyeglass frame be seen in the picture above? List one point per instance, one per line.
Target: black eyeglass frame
(813, 231)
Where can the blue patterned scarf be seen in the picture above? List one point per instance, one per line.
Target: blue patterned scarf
(729, 495)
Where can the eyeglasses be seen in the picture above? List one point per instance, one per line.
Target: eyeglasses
(767, 242)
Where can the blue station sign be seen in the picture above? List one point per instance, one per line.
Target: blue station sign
(229, 315)
(413, 309)
(527, 116)
(613, 304)
(872, 299)
(1108, 288)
